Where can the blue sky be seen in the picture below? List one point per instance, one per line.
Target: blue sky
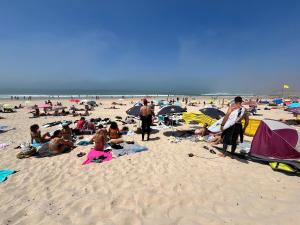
(205, 46)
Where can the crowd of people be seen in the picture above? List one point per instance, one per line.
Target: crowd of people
(63, 140)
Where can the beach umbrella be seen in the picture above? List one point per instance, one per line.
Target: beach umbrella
(171, 109)
(44, 106)
(294, 105)
(213, 113)
(134, 111)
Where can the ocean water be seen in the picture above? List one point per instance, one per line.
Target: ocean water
(44, 94)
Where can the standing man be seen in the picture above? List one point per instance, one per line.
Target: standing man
(146, 114)
(231, 134)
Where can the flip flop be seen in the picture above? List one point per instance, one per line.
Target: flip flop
(212, 151)
(205, 147)
(81, 154)
(191, 155)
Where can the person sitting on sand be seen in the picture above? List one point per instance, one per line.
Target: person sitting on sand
(113, 131)
(58, 145)
(36, 113)
(66, 132)
(80, 123)
(95, 139)
(36, 136)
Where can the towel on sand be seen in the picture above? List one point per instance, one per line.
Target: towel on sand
(4, 174)
(94, 154)
(128, 149)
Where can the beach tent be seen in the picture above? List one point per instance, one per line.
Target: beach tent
(294, 105)
(275, 140)
(213, 113)
(134, 111)
(277, 101)
(170, 109)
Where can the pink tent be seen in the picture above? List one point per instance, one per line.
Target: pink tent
(275, 140)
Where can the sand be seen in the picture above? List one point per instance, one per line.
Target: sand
(159, 186)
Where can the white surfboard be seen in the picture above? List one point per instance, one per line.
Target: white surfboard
(232, 119)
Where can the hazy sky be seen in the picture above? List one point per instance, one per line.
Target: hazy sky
(224, 46)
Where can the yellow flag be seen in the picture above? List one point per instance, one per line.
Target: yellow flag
(286, 86)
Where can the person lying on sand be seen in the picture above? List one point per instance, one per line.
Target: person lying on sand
(36, 136)
(112, 107)
(212, 138)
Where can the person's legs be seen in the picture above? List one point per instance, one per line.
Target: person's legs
(148, 128)
(225, 146)
(143, 128)
(233, 148)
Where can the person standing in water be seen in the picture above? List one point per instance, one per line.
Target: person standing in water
(146, 114)
(231, 134)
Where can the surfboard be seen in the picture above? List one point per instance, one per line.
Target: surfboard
(233, 117)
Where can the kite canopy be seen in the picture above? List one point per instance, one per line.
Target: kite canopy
(213, 113)
(275, 140)
(134, 111)
(171, 109)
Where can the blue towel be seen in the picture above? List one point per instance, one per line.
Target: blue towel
(4, 174)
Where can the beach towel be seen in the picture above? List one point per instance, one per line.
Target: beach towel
(84, 143)
(94, 154)
(4, 174)
(128, 149)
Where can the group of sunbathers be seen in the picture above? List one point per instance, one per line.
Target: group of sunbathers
(62, 140)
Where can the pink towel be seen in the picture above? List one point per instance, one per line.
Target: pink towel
(95, 154)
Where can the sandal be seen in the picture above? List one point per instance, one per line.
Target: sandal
(81, 154)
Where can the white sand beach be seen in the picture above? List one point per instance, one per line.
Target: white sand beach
(161, 186)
